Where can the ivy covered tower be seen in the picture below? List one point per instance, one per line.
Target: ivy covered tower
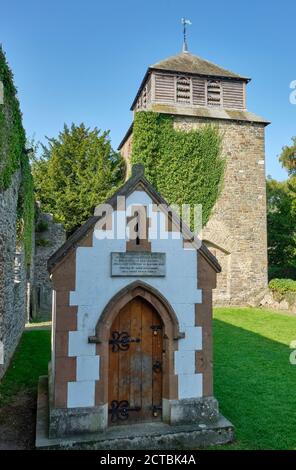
(196, 92)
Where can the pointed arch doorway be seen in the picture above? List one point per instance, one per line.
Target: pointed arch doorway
(135, 372)
(153, 389)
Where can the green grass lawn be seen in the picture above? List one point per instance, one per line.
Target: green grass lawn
(29, 362)
(254, 380)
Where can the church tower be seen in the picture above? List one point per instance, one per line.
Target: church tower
(197, 92)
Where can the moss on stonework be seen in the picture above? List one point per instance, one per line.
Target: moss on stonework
(43, 242)
(26, 210)
(185, 167)
(42, 226)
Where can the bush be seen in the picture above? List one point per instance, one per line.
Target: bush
(282, 286)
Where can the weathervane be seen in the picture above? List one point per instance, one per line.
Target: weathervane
(185, 22)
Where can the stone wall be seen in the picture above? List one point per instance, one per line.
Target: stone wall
(23, 289)
(276, 301)
(12, 274)
(49, 237)
(126, 151)
(236, 232)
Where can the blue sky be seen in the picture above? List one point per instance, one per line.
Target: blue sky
(77, 61)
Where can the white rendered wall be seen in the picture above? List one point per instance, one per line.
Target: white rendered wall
(95, 287)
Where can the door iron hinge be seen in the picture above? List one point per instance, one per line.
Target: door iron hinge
(121, 341)
(119, 410)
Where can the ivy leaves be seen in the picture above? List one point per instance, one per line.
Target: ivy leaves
(186, 167)
(13, 156)
(12, 134)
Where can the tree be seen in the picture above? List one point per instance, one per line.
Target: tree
(281, 229)
(288, 157)
(76, 171)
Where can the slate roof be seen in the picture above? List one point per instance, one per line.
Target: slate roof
(131, 184)
(189, 63)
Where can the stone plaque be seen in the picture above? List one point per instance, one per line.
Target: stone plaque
(134, 263)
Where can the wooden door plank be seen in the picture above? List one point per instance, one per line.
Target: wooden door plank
(146, 361)
(131, 375)
(136, 358)
(157, 356)
(113, 374)
(124, 356)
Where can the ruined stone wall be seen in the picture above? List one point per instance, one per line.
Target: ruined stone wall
(12, 274)
(49, 237)
(236, 232)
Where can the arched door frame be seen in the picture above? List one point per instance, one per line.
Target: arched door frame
(171, 335)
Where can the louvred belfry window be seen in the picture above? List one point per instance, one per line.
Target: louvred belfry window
(183, 91)
(214, 93)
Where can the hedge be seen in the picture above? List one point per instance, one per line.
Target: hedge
(282, 286)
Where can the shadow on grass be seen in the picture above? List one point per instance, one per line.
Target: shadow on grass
(256, 388)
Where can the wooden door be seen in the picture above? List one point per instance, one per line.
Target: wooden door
(135, 364)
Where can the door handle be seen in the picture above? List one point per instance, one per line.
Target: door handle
(157, 367)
